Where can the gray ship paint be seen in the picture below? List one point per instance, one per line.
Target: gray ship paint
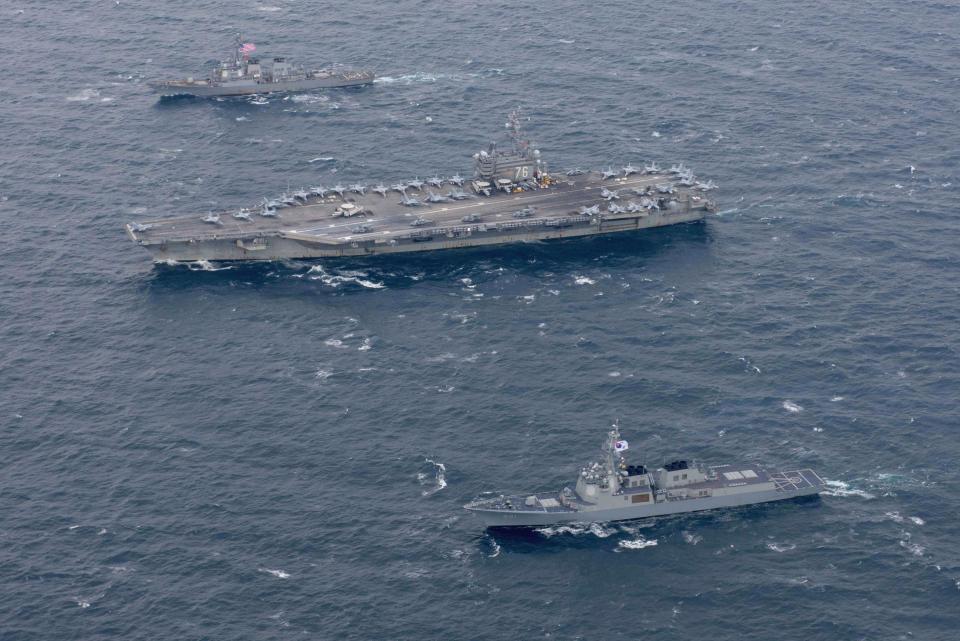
(611, 490)
(244, 75)
(511, 198)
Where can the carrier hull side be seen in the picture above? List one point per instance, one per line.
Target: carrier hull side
(528, 518)
(291, 246)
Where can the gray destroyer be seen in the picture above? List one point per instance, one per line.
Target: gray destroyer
(243, 75)
(612, 490)
(511, 197)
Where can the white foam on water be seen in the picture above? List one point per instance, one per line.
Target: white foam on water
(86, 95)
(839, 488)
(614, 374)
(322, 374)
(205, 266)
(792, 407)
(82, 603)
(916, 520)
(565, 42)
(691, 538)
(366, 345)
(576, 529)
(321, 159)
(836, 399)
(280, 574)
(340, 278)
(583, 280)
(439, 480)
(778, 547)
(269, 8)
(913, 548)
(637, 544)
(408, 79)
(334, 342)
(818, 429)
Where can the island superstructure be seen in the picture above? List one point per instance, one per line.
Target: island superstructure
(511, 197)
(244, 74)
(612, 490)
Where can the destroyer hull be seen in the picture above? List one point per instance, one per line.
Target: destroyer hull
(204, 90)
(493, 518)
(314, 230)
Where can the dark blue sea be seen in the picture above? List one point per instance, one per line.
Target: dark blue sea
(282, 451)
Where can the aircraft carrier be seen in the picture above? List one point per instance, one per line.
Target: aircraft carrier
(244, 75)
(612, 490)
(511, 197)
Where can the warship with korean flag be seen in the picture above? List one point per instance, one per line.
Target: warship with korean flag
(612, 490)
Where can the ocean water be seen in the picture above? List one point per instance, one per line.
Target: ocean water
(282, 451)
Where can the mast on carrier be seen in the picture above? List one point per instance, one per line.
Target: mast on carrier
(519, 165)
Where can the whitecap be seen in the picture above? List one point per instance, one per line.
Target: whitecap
(583, 280)
(914, 548)
(321, 159)
(85, 95)
(916, 520)
(439, 480)
(655, 134)
(576, 529)
(407, 79)
(839, 488)
(366, 346)
(777, 547)
(269, 9)
(836, 399)
(205, 266)
(790, 406)
(637, 544)
(323, 374)
(280, 574)
(339, 278)
(333, 342)
(691, 538)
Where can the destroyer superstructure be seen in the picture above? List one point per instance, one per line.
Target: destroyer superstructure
(612, 490)
(510, 197)
(245, 74)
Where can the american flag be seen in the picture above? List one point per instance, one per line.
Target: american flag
(247, 47)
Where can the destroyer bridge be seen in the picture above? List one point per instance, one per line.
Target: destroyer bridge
(511, 198)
